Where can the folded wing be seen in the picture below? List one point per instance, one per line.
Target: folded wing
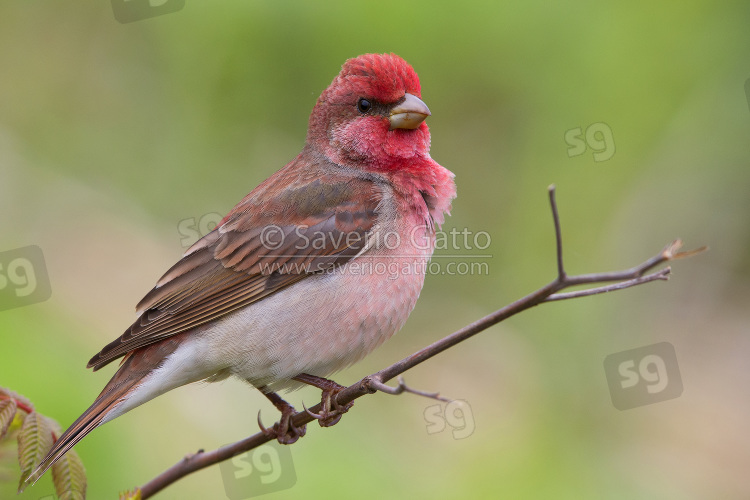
(271, 240)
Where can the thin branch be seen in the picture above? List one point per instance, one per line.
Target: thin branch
(558, 232)
(376, 382)
(659, 275)
(402, 387)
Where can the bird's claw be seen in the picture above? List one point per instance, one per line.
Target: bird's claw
(316, 416)
(330, 410)
(284, 430)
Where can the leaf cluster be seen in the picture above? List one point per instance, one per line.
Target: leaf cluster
(36, 434)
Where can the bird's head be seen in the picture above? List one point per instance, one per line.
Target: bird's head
(371, 114)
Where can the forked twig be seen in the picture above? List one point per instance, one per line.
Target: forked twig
(402, 387)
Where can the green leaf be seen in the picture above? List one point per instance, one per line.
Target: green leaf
(34, 442)
(7, 414)
(69, 477)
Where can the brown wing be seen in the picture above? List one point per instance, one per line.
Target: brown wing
(271, 240)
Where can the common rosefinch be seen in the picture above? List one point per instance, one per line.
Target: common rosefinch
(314, 269)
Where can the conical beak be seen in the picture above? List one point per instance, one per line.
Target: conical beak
(409, 114)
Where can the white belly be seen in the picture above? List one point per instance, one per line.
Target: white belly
(317, 326)
(325, 323)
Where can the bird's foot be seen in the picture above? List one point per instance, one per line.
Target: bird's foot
(330, 409)
(284, 430)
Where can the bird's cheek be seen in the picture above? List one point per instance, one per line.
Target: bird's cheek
(361, 139)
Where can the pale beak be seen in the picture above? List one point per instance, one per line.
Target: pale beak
(410, 113)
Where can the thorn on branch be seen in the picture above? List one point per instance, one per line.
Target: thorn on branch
(191, 456)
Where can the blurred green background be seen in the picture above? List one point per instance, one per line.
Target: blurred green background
(112, 134)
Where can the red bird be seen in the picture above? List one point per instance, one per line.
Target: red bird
(309, 273)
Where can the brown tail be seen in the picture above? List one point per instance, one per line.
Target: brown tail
(136, 366)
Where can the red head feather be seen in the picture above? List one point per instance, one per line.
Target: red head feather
(348, 137)
(385, 77)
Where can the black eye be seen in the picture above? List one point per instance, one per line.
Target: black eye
(363, 105)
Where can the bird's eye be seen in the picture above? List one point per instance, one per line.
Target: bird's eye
(363, 105)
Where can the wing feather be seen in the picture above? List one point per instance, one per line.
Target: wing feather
(324, 222)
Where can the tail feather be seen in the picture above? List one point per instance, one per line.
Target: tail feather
(80, 428)
(112, 394)
(135, 368)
